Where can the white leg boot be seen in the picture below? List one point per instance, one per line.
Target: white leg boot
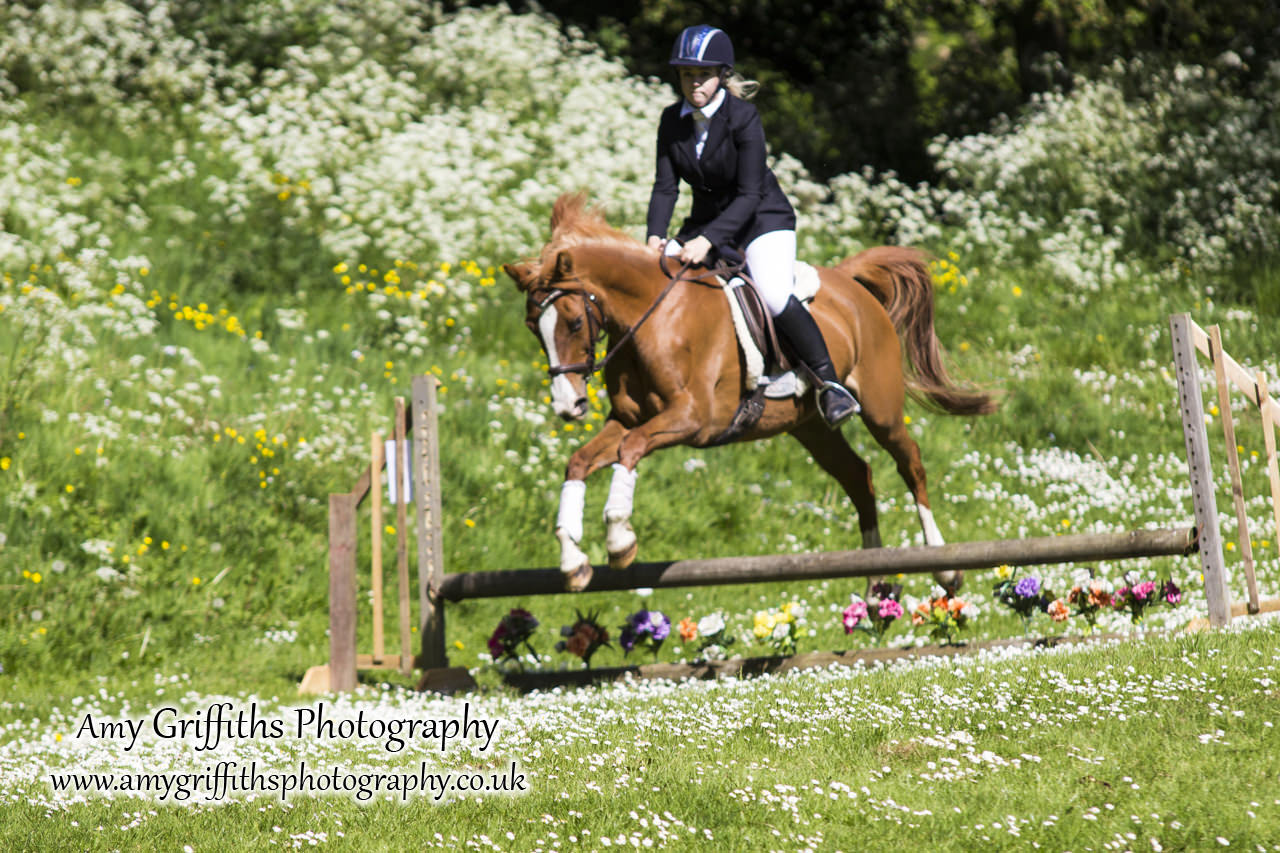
(620, 538)
(573, 560)
(951, 581)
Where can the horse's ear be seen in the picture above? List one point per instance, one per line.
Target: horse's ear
(564, 265)
(521, 273)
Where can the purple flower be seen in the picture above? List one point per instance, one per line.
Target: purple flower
(659, 625)
(1027, 587)
(1171, 593)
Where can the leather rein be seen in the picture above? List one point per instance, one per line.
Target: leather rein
(595, 324)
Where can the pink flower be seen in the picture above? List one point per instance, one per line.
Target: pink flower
(1144, 591)
(890, 609)
(853, 614)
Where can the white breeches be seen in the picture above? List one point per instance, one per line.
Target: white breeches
(771, 263)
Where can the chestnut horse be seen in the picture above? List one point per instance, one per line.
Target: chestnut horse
(677, 377)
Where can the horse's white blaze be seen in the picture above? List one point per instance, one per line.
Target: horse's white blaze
(564, 399)
(932, 535)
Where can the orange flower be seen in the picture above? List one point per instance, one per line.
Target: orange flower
(688, 629)
(1058, 610)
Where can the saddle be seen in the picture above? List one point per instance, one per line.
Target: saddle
(768, 370)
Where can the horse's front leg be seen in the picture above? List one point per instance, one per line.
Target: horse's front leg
(673, 426)
(591, 457)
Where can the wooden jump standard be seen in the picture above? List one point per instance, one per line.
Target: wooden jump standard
(866, 562)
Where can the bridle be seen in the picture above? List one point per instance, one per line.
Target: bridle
(596, 319)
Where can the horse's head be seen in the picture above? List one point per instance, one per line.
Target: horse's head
(567, 320)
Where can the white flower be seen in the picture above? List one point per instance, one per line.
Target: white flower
(107, 574)
(710, 625)
(781, 630)
(692, 465)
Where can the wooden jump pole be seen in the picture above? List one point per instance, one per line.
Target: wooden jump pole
(426, 486)
(1218, 357)
(1203, 498)
(867, 562)
(1269, 419)
(342, 592)
(376, 462)
(395, 468)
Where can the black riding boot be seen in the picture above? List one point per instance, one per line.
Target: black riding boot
(801, 333)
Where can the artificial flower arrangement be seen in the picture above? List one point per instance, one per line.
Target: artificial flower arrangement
(1137, 596)
(781, 628)
(1026, 596)
(711, 634)
(513, 631)
(644, 628)
(876, 613)
(584, 637)
(1089, 597)
(944, 615)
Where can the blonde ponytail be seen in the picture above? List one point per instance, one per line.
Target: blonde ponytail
(739, 86)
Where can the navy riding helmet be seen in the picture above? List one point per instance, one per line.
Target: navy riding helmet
(702, 45)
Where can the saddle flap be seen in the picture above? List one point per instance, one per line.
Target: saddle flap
(759, 324)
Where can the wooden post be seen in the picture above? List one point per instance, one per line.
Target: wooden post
(1203, 498)
(402, 540)
(1265, 404)
(1216, 355)
(375, 541)
(426, 487)
(342, 592)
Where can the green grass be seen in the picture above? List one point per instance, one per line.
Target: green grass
(1127, 742)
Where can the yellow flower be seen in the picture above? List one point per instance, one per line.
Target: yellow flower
(469, 523)
(195, 581)
(36, 577)
(70, 488)
(390, 530)
(1004, 573)
(5, 462)
(1017, 291)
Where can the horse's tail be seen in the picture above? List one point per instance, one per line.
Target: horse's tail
(899, 278)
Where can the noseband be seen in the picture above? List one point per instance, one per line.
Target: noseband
(595, 326)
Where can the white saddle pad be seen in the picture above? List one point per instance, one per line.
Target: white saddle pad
(786, 384)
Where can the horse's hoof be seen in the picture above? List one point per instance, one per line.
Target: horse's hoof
(624, 558)
(950, 581)
(578, 579)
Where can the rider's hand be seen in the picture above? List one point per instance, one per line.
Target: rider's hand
(695, 251)
(656, 243)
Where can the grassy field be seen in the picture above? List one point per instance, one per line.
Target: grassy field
(224, 251)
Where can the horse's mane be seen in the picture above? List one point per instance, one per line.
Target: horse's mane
(575, 223)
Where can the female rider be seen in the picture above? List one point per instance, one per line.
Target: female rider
(713, 140)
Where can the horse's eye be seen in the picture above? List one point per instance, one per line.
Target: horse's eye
(575, 325)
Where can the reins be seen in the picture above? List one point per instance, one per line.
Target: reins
(595, 327)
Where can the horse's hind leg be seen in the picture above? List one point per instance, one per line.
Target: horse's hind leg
(830, 450)
(894, 438)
